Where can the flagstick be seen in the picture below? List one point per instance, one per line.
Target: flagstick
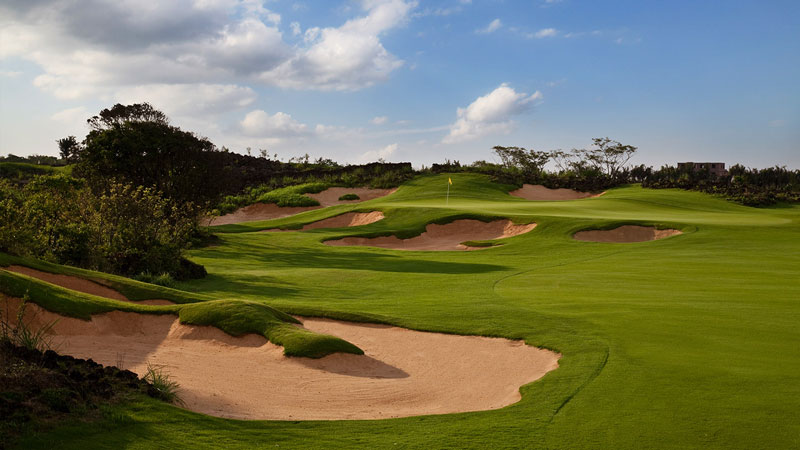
(447, 201)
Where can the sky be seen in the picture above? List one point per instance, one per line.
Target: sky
(421, 81)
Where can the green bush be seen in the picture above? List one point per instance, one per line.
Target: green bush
(349, 197)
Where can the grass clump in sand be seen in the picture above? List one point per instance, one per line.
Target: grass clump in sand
(349, 197)
(164, 386)
(18, 333)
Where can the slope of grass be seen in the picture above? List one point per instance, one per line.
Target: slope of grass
(686, 342)
(235, 317)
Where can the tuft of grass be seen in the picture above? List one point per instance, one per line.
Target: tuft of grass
(481, 244)
(166, 388)
(20, 334)
(163, 279)
(349, 197)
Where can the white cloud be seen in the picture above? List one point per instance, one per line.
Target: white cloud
(296, 30)
(10, 73)
(379, 120)
(189, 99)
(545, 32)
(382, 153)
(490, 114)
(71, 115)
(259, 123)
(491, 28)
(350, 57)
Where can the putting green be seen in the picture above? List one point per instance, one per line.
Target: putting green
(689, 341)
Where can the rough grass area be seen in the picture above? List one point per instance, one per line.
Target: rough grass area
(687, 342)
(235, 317)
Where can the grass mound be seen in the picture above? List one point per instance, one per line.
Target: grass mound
(235, 317)
(349, 197)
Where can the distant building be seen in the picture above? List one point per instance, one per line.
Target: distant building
(717, 168)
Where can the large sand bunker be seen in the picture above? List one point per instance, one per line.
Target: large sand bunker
(625, 233)
(80, 285)
(444, 237)
(541, 193)
(351, 219)
(402, 373)
(269, 211)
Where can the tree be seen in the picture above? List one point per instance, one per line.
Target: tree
(136, 144)
(529, 162)
(608, 155)
(69, 148)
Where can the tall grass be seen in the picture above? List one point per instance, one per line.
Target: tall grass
(167, 388)
(17, 332)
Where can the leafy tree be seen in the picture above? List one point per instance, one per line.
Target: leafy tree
(69, 149)
(609, 155)
(136, 144)
(529, 162)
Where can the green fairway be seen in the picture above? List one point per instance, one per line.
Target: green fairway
(686, 342)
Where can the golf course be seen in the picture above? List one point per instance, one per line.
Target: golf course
(685, 339)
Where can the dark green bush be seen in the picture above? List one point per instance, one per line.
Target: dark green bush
(349, 197)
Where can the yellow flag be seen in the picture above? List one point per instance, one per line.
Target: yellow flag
(449, 180)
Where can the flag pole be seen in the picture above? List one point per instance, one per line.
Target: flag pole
(447, 201)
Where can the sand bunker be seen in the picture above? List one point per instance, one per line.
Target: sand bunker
(330, 196)
(259, 211)
(269, 211)
(625, 233)
(80, 285)
(540, 193)
(403, 372)
(444, 237)
(345, 220)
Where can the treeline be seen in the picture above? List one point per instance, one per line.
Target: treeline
(751, 187)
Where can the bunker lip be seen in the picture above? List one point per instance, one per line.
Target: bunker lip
(626, 234)
(81, 285)
(351, 219)
(537, 192)
(443, 237)
(269, 211)
(403, 373)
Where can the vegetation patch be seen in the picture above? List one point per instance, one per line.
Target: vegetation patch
(349, 197)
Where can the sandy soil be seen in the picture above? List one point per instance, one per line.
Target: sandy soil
(539, 192)
(625, 233)
(403, 373)
(350, 219)
(444, 237)
(80, 285)
(268, 211)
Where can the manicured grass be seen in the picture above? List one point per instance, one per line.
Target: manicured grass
(686, 342)
(235, 317)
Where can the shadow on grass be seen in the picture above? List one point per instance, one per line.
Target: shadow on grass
(359, 260)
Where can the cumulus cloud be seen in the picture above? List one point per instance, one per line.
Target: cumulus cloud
(349, 57)
(83, 54)
(491, 28)
(382, 153)
(189, 99)
(490, 114)
(259, 123)
(379, 120)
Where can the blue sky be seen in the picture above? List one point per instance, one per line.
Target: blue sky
(418, 81)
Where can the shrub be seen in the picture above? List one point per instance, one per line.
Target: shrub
(348, 197)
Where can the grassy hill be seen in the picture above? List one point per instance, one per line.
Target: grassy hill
(686, 342)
